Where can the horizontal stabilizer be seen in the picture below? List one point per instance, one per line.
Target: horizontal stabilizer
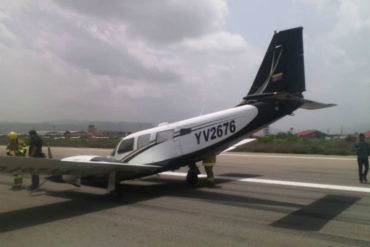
(306, 104)
(313, 105)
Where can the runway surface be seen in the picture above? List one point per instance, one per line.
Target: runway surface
(259, 200)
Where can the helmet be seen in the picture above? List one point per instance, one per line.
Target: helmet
(12, 135)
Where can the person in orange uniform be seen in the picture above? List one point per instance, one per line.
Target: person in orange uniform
(16, 147)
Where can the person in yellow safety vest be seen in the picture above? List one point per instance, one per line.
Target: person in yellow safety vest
(209, 162)
(16, 147)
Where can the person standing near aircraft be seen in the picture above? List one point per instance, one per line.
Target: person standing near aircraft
(209, 162)
(363, 150)
(35, 151)
(16, 147)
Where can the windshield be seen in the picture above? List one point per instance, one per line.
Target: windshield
(113, 152)
(126, 146)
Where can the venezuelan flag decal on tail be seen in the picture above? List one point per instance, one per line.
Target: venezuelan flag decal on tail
(277, 77)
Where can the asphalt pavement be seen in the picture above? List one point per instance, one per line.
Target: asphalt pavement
(259, 200)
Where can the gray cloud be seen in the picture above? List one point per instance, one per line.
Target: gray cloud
(164, 61)
(88, 66)
(48, 30)
(164, 21)
(102, 59)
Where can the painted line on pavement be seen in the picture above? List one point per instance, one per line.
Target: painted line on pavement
(280, 182)
(287, 156)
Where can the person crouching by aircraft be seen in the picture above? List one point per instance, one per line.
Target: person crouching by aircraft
(35, 151)
(16, 147)
(209, 162)
(362, 148)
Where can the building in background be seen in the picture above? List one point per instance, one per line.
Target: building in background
(312, 134)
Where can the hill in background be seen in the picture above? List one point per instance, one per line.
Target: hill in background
(6, 127)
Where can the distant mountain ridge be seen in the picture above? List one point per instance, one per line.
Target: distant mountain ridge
(6, 127)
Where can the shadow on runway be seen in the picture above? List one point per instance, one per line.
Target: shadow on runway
(80, 203)
(314, 216)
(6, 183)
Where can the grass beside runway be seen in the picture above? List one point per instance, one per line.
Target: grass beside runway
(298, 145)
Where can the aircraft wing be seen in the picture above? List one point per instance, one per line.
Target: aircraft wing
(80, 166)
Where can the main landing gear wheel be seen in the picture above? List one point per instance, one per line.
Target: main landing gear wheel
(113, 186)
(116, 193)
(192, 176)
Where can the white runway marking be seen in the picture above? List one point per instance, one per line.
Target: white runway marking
(281, 182)
(287, 156)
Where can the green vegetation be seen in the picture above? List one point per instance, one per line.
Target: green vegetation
(300, 145)
(280, 143)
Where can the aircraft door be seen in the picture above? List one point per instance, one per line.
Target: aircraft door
(167, 146)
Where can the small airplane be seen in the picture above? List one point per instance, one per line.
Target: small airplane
(275, 93)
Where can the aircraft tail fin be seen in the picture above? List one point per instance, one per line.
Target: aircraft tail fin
(282, 68)
(281, 75)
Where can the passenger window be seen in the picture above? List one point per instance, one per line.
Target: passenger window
(164, 136)
(143, 140)
(126, 146)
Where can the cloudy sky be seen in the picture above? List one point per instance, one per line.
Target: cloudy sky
(167, 60)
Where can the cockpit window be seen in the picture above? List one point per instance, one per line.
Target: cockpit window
(126, 146)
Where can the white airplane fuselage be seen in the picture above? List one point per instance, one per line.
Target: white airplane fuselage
(169, 141)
